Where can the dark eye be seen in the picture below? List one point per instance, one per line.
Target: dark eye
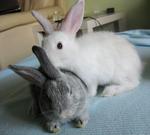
(59, 45)
(71, 92)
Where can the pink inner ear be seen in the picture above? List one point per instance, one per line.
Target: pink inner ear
(77, 20)
(74, 18)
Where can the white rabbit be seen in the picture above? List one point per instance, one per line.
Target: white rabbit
(99, 58)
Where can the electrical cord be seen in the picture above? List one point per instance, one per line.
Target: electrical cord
(93, 18)
(59, 22)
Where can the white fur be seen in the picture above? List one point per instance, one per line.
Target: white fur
(99, 58)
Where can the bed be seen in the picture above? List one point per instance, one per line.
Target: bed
(126, 114)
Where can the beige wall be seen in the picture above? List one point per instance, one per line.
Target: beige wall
(137, 11)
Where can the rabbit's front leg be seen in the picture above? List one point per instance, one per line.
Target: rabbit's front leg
(81, 120)
(92, 90)
(53, 126)
(115, 89)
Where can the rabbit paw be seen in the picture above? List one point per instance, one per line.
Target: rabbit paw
(79, 123)
(53, 127)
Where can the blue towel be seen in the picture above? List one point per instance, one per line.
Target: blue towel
(141, 39)
(138, 37)
(126, 114)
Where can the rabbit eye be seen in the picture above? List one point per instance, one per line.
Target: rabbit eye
(71, 92)
(59, 45)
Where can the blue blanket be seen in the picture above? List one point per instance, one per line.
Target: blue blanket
(126, 114)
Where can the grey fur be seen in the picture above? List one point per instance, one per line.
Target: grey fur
(60, 98)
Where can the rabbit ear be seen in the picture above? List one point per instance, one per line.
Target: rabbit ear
(30, 74)
(47, 26)
(73, 19)
(46, 65)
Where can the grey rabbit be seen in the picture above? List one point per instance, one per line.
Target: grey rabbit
(59, 95)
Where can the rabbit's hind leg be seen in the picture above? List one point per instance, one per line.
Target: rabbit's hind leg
(92, 90)
(115, 89)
